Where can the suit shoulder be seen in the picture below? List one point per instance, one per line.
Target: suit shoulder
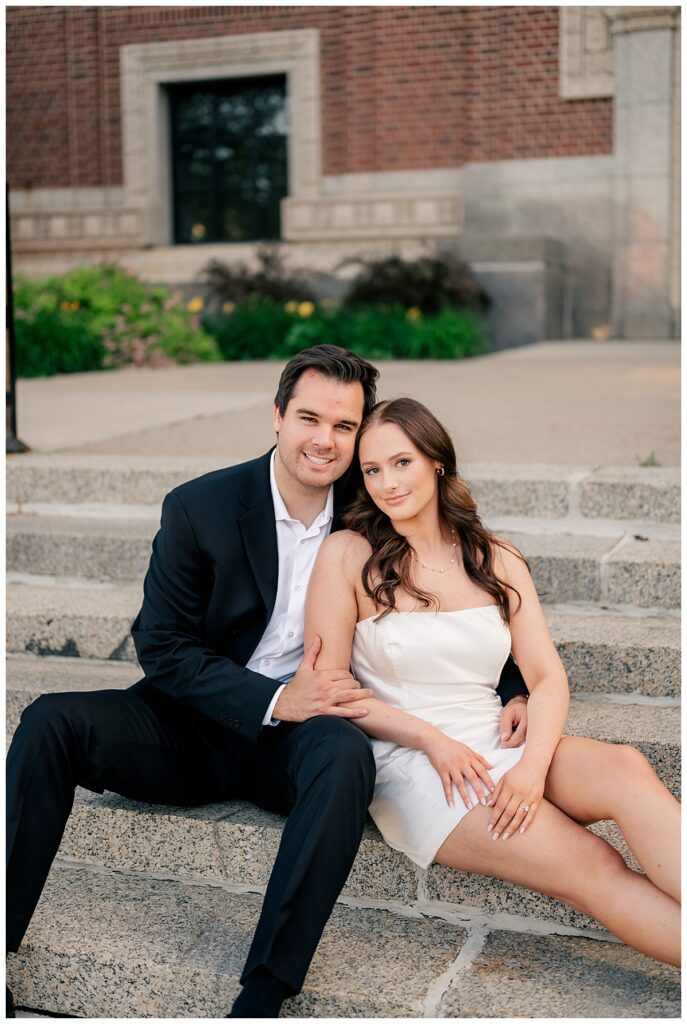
(221, 487)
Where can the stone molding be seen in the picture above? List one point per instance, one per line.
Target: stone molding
(372, 217)
(642, 19)
(586, 53)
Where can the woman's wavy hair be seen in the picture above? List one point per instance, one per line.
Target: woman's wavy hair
(389, 565)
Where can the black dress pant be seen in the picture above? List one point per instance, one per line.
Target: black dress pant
(147, 746)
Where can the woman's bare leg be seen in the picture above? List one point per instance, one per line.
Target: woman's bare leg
(592, 781)
(563, 859)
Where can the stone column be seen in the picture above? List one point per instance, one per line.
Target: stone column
(646, 156)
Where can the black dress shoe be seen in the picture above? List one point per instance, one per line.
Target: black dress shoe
(9, 1002)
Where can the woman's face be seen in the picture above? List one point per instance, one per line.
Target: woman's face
(401, 481)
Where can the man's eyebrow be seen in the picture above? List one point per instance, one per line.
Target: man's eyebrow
(390, 459)
(311, 412)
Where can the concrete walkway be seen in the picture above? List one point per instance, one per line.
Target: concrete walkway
(586, 403)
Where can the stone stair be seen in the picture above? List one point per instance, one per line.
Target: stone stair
(168, 897)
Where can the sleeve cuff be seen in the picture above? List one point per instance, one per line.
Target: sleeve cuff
(268, 720)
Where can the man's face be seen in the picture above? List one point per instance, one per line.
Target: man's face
(318, 429)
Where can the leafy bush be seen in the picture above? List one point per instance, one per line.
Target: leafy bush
(269, 280)
(269, 330)
(429, 284)
(100, 317)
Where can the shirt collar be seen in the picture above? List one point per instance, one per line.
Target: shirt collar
(282, 513)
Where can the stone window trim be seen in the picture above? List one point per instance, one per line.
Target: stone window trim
(146, 68)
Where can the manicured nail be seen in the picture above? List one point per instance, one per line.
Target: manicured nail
(483, 802)
(522, 828)
(495, 835)
(468, 805)
(505, 835)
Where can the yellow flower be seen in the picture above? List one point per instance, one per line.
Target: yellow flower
(65, 305)
(195, 304)
(306, 309)
(75, 305)
(291, 306)
(413, 314)
(228, 307)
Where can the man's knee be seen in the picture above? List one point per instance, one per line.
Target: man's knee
(342, 746)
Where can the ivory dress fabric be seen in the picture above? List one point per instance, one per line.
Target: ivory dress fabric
(443, 667)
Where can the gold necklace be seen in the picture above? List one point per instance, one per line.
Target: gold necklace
(452, 561)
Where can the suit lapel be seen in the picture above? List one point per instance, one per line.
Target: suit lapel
(259, 531)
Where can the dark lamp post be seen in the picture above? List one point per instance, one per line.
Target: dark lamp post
(12, 443)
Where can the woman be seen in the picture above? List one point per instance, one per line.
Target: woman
(424, 604)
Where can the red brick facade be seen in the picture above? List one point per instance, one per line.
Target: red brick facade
(403, 88)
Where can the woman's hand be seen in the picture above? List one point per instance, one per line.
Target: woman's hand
(515, 801)
(456, 763)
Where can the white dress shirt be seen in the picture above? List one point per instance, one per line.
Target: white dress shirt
(280, 651)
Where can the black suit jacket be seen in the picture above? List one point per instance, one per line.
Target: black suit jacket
(209, 594)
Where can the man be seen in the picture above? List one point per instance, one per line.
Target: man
(231, 706)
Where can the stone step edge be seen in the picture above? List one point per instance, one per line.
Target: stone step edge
(131, 667)
(563, 489)
(574, 525)
(422, 907)
(429, 1000)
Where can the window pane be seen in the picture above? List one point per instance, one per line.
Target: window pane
(236, 220)
(195, 112)
(230, 159)
(195, 166)
(195, 218)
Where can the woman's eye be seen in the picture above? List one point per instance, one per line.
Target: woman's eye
(403, 462)
(369, 472)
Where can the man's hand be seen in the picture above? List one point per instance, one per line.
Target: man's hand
(513, 722)
(319, 692)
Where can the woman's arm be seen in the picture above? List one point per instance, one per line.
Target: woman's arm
(548, 704)
(331, 612)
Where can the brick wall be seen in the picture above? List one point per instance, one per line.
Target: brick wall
(403, 88)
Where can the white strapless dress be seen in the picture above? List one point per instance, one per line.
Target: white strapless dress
(443, 667)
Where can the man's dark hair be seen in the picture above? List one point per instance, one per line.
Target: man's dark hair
(333, 362)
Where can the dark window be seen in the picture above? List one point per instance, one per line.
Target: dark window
(229, 159)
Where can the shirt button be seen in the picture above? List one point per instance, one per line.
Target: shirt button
(290, 634)
(297, 587)
(268, 662)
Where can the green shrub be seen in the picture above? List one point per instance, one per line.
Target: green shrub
(101, 317)
(265, 329)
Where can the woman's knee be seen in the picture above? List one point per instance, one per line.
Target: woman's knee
(626, 762)
(600, 869)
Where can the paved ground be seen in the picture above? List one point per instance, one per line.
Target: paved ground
(613, 403)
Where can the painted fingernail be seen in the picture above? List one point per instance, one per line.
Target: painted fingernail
(483, 802)
(495, 835)
(522, 828)
(489, 828)
(468, 805)
(505, 835)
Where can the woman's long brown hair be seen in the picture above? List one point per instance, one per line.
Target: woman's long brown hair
(389, 565)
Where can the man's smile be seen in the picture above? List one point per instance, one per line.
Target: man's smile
(318, 460)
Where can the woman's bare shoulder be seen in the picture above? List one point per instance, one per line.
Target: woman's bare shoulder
(344, 552)
(507, 558)
(347, 546)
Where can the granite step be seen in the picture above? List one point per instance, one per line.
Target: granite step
(607, 492)
(112, 944)
(235, 843)
(616, 650)
(613, 566)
